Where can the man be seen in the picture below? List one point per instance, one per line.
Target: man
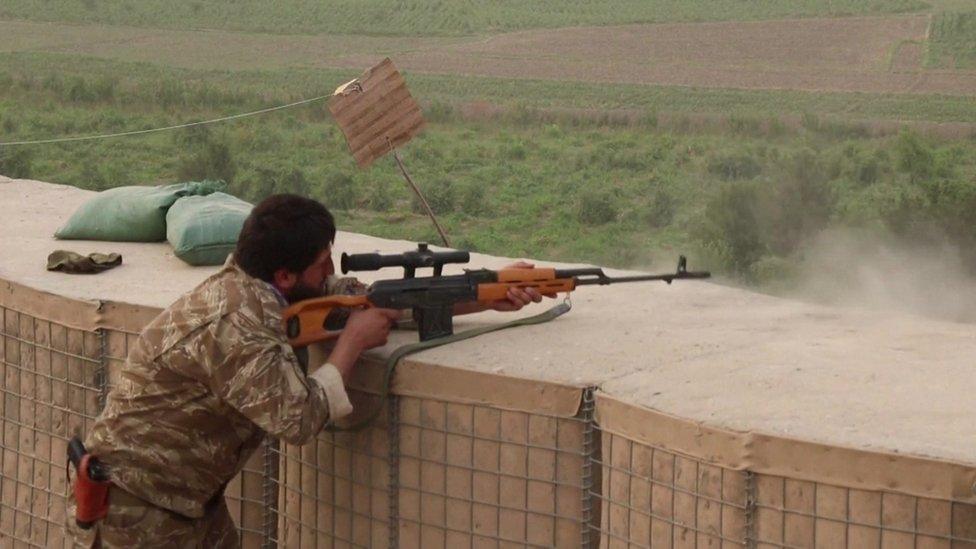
(213, 374)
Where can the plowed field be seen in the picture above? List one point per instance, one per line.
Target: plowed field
(858, 54)
(853, 54)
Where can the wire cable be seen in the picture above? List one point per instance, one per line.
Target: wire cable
(167, 128)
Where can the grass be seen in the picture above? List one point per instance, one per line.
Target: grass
(952, 41)
(424, 17)
(150, 85)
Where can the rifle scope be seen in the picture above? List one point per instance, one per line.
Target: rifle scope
(410, 261)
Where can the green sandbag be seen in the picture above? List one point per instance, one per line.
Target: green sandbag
(129, 214)
(203, 229)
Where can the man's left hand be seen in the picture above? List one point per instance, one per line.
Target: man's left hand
(517, 297)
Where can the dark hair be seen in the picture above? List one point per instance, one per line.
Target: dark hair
(283, 231)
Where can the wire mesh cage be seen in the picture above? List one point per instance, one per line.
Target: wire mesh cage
(445, 472)
(652, 497)
(53, 386)
(436, 473)
(335, 490)
(795, 513)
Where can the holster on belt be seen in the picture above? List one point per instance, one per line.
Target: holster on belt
(90, 486)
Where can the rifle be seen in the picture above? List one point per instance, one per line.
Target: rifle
(432, 298)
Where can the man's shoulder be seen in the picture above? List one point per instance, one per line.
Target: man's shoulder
(228, 292)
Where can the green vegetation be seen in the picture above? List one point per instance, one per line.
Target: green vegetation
(952, 41)
(746, 197)
(521, 101)
(424, 17)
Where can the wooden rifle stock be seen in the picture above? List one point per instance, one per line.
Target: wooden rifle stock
(319, 319)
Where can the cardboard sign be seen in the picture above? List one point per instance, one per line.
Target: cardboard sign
(376, 113)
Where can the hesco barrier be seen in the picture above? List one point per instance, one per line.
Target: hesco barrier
(465, 459)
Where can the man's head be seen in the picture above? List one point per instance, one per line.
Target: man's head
(287, 241)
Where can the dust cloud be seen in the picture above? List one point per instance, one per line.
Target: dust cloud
(849, 268)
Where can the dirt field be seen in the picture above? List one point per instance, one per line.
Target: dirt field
(808, 54)
(863, 54)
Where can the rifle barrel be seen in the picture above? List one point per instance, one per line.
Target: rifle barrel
(644, 278)
(589, 276)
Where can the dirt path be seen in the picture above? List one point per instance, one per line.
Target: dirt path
(859, 54)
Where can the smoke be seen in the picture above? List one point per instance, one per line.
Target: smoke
(850, 268)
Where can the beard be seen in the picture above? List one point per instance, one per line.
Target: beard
(301, 292)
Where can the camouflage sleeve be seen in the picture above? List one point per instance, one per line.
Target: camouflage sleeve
(257, 373)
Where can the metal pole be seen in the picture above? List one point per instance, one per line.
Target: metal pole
(269, 494)
(423, 201)
(393, 462)
(589, 457)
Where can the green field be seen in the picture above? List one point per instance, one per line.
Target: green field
(744, 199)
(425, 17)
(952, 42)
(150, 85)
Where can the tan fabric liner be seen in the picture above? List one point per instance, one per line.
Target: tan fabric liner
(417, 378)
(791, 458)
(75, 313)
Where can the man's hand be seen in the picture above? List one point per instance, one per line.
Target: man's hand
(515, 300)
(368, 328)
(365, 329)
(517, 297)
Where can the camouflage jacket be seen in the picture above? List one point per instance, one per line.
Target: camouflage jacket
(206, 380)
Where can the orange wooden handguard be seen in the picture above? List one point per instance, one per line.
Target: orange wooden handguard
(544, 280)
(310, 317)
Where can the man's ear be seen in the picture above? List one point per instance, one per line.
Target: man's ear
(284, 279)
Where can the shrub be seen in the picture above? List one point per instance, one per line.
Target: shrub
(901, 210)
(953, 207)
(292, 181)
(53, 83)
(596, 207)
(339, 191)
(439, 111)
(746, 125)
(15, 162)
(799, 204)
(473, 200)
(380, 196)
(9, 122)
(648, 120)
(660, 209)
(514, 150)
(215, 161)
(192, 136)
(731, 228)
(92, 178)
(441, 196)
(734, 166)
(914, 156)
(868, 170)
(810, 122)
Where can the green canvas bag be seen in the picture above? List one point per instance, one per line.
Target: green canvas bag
(129, 214)
(203, 230)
